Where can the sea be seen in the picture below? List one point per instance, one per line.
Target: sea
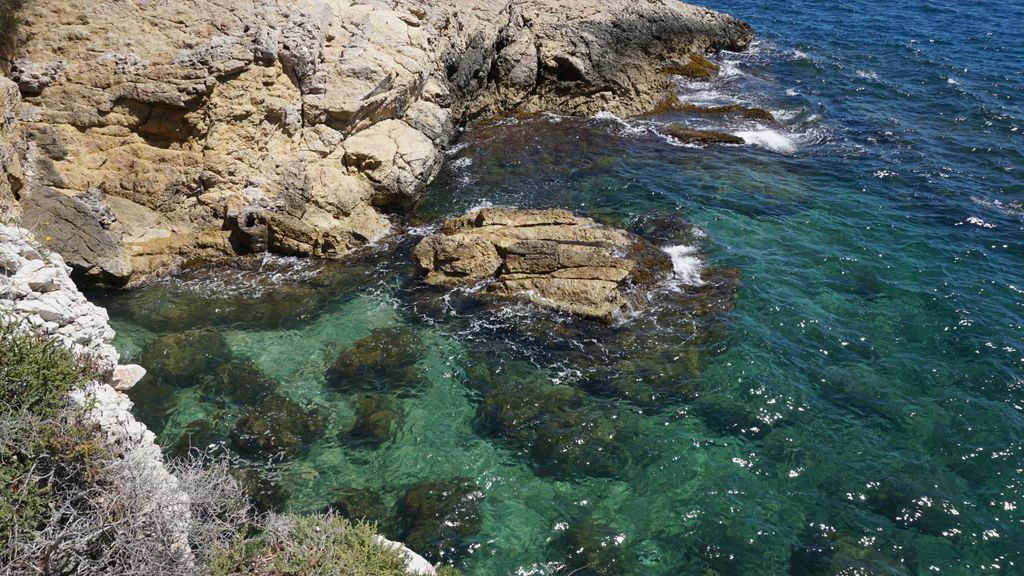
(831, 384)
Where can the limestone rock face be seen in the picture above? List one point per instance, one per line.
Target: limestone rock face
(549, 257)
(146, 133)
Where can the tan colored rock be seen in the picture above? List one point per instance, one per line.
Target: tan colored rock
(126, 376)
(11, 149)
(212, 127)
(692, 136)
(548, 257)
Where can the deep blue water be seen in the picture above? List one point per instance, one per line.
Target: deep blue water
(853, 404)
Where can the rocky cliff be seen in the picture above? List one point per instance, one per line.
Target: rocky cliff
(150, 132)
(37, 293)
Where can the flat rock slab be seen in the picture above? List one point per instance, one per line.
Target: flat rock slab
(549, 257)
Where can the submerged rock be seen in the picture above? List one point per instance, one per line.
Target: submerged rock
(376, 420)
(383, 361)
(691, 136)
(198, 435)
(261, 292)
(182, 358)
(264, 488)
(276, 426)
(549, 257)
(565, 432)
(591, 549)
(438, 516)
(359, 504)
(243, 382)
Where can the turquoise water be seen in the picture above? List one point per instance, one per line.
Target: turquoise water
(840, 393)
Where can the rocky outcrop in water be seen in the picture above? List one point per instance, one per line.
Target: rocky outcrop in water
(152, 132)
(549, 257)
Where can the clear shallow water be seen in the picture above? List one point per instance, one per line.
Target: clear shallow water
(852, 404)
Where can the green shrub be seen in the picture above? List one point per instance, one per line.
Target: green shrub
(314, 544)
(43, 461)
(9, 19)
(36, 373)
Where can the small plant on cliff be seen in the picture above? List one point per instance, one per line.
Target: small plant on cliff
(36, 372)
(9, 19)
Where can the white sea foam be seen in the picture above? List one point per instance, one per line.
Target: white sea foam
(978, 222)
(686, 264)
(627, 127)
(867, 74)
(457, 148)
(951, 81)
(461, 163)
(792, 92)
(770, 139)
(481, 205)
(1009, 208)
(729, 68)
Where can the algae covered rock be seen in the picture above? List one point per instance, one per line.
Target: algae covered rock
(564, 431)
(276, 426)
(198, 435)
(692, 136)
(549, 257)
(263, 487)
(385, 360)
(438, 516)
(242, 381)
(377, 416)
(591, 549)
(183, 357)
(359, 504)
(697, 67)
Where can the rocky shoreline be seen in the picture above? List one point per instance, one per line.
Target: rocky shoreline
(137, 136)
(37, 293)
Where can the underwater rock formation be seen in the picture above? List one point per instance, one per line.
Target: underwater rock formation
(276, 426)
(439, 516)
(385, 360)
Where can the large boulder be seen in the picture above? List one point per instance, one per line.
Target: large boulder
(549, 257)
